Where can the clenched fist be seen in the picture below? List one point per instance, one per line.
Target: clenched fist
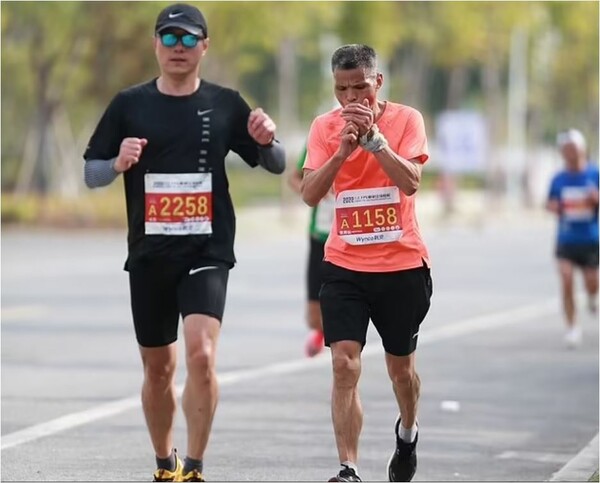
(349, 139)
(129, 153)
(261, 127)
(360, 114)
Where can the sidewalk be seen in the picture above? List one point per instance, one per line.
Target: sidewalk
(583, 467)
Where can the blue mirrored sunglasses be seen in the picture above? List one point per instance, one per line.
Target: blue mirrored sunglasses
(189, 41)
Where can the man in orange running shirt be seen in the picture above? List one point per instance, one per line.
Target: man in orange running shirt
(376, 265)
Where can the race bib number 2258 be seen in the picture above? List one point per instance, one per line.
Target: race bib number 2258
(178, 204)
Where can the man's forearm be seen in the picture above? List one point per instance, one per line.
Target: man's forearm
(316, 184)
(404, 173)
(272, 157)
(99, 172)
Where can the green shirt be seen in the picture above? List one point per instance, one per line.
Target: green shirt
(321, 216)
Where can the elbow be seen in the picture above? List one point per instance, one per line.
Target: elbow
(273, 168)
(280, 169)
(309, 201)
(272, 158)
(92, 181)
(88, 177)
(411, 188)
(308, 198)
(88, 181)
(307, 191)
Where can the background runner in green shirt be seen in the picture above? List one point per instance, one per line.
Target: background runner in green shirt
(321, 218)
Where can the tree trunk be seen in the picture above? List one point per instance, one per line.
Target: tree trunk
(287, 67)
(457, 86)
(42, 170)
(414, 68)
(493, 106)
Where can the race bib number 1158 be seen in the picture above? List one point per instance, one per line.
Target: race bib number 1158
(368, 216)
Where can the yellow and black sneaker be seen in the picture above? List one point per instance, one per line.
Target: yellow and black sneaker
(193, 475)
(166, 475)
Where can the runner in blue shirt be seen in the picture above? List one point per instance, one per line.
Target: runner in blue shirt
(573, 198)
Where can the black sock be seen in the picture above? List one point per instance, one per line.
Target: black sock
(191, 464)
(169, 463)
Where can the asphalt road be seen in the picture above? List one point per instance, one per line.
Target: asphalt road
(523, 405)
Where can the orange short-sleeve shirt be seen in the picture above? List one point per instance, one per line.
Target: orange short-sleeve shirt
(375, 228)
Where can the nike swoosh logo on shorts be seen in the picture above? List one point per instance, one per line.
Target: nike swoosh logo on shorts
(202, 269)
(200, 113)
(175, 14)
(414, 335)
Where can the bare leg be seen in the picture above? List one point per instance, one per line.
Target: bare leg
(590, 277)
(158, 396)
(346, 409)
(565, 268)
(407, 386)
(201, 391)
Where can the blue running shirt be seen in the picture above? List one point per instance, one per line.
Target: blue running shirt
(578, 218)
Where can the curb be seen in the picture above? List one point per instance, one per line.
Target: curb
(582, 466)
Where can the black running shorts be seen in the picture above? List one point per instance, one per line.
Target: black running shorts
(161, 291)
(396, 303)
(585, 255)
(315, 268)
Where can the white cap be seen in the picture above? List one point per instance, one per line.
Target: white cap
(572, 136)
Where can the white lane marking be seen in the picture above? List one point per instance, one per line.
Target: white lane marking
(582, 466)
(21, 312)
(469, 326)
(538, 457)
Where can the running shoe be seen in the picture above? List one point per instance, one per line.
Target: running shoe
(193, 475)
(402, 465)
(573, 337)
(314, 343)
(346, 474)
(165, 475)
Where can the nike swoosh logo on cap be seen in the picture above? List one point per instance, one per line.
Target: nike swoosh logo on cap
(175, 14)
(200, 113)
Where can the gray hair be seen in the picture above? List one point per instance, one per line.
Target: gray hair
(354, 56)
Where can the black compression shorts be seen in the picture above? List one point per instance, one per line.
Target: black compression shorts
(396, 302)
(161, 291)
(585, 255)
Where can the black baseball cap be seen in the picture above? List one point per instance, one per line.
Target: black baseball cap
(183, 16)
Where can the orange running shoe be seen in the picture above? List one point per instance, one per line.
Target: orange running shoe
(314, 343)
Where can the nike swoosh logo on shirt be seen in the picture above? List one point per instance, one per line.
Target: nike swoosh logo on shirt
(202, 269)
(200, 113)
(175, 14)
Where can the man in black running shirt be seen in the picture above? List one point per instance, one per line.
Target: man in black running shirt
(169, 137)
